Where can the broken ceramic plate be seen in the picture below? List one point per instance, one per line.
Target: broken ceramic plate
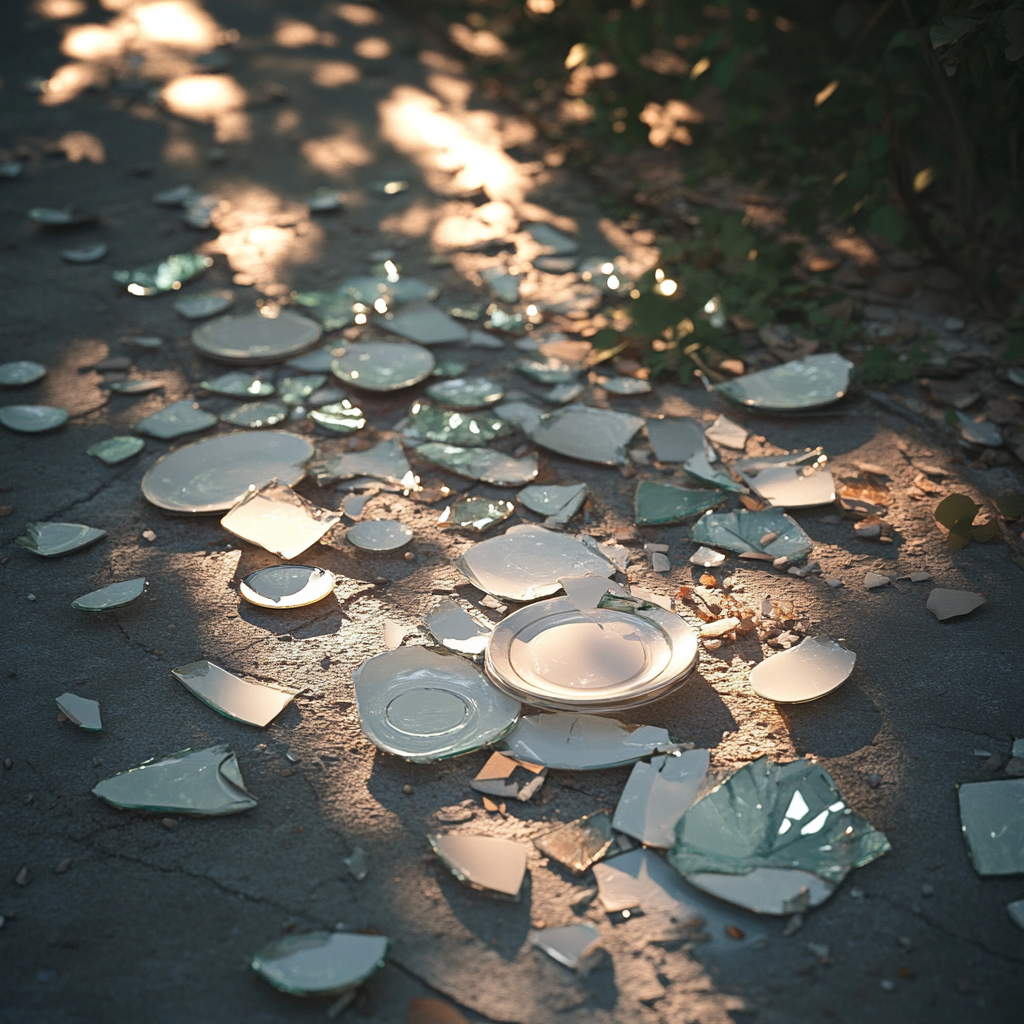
(321, 963)
(239, 384)
(580, 843)
(706, 557)
(624, 385)
(85, 253)
(777, 891)
(812, 669)
(523, 415)
(339, 417)
(675, 438)
(658, 794)
(569, 945)
(508, 778)
(424, 705)
(558, 655)
(166, 276)
(483, 862)
(204, 304)
(51, 217)
(744, 532)
(295, 390)
(562, 394)
(425, 324)
(32, 419)
(432, 423)
(559, 503)
(176, 420)
(136, 386)
(775, 816)
(466, 393)
(383, 365)
(333, 311)
(728, 434)
(447, 367)
(54, 539)
(585, 593)
(581, 742)
(807, 383)
(481, 463)
(657, 503)
(701, 469)
(234, 698)
(527, 562)
(948, 604)
(117, 595)
(256, 415)
(83, 712)
(201, 782)
(20, 373)
(547, 371)
(477, 513)
(278, 520)
(379, 535)
(254, 338)
(287, 586)
(353, 504)
(793, 480)
(210, 476)
(594, 435)
(384, 461)
(453, 627)
(992, 821)
(555, 242)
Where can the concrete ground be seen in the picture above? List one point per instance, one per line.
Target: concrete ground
(158, 925)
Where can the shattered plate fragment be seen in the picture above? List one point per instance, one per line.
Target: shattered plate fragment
(333, 311)
(424, 705)
(287, 586)
(728, 434)
(508, 778)
(204, 304)
(383, 365)
(32, 419)
(85, 253)
(594, 435)
(453, 627)
(675, 438)
(812, 669)
(321, 963)
(117, 595)
(385, 461)
(466, 392)
(548, 371)
(658, 794)
(317, 361)
(425, 324)
(555, 243)
(256, 415)
(624, 385)
(278, 520)
(483, 862)
(580, 843)
(83, 712)
(707, 557)
(166, 276)
(1016, 912)
(51, 217)
(256, 339)
(701, 469)
(568, 945)
(477, 513)
(580, 742)
(295, 390)
(523, 415)
(201, 782)
(176, 420)
(559, 503)
(793, 480)
(656, 503)
(777, 891)
(744, 533)
(484, 464)
(210, 476)
(807, 383)
(527, 562)
(239, 384)
(432, 423)
(238, 699)
(379, 535)
(948, 604)
(339, 417)
(54, 539)
(992, 821)
(20, 373)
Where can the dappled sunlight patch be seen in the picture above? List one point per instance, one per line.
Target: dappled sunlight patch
(69, 81)
(372, 48)
(441, 62)
(93, 42)
(180, 24)
(466, 225)
(416, 221)
(79, 146)
(203, 97)
(57, 10)
(480, 43)
(294, 34)
(336, 155)
(358, 14)
(667, 122)
(454, 91)
(332, 74)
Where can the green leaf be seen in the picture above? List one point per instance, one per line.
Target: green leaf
(651, 314)
(985, 532)
(887, 221)
(955, 509)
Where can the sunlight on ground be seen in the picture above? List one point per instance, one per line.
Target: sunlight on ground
(358, 14)
(214, 99)
(332, 74)
(337, 155)
(294, 34)
(372, 48)
(79, 146)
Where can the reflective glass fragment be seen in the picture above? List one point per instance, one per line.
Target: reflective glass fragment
(594, 435)
(523, 415)
(992, 822)
(675, 438)
(384, 461)
(234, 698)
(624, 385)
(116, 449)
(701, 469)
(793, 480)
(85, 253)
(433, 423)
(778, 891)
(63, 217)
(658, 794)
(561, 394)
(176, 420)
(744, 531)
(807, 383)
(812, 669)
(256, 415)
(254, 338)
(477, 513)
(949, 604)
(508, 778)
(707, 557)
(503, 285)
(83, 712)
(278, 520)
(556, 502)
(453, 627)
(166, 276)
(383, 365)
(466, 393)
(32, 419)
(54, 539)
(425, 324)
(295, 390)
(204, 304)
(117, 595)
(239, 384)
(21, 372)
(481, 463)
(547, 371)
(321, 963)
(332, 310)
(483, 862)
(728, 434)
(135, 386)
(568, 945)
(379, 535)
(287, 586)
(580, 742)
(580, 843)
(339, 417)
(657, 503)
(555, 243)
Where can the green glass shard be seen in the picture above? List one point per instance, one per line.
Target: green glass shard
(770, 532)
(547, 371)
(432, 423)
(625, 603)
(477, 513)
(449, 368)
(510, 323)
(238, 384)
(582, 432)
(383, 365)
(254, 415)
(201, 782)
(176, 420)
(317, 361)
(20, 373)
(657, 503)
(385, 461)
(775, 816)
(166, 276)
(580, 843)
(117, 595)
(83, 712)
(332, 310)
(54, 539)
(992, 821)
(466, 393)
(204, 304)
(560, 503)
(32, 419)
(295, 390)
(700, 469)
(339, 417)
(425, 324)
(321, 963)
(806, 383)
(481, 464)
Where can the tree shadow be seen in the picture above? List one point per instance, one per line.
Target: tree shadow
(835, 725)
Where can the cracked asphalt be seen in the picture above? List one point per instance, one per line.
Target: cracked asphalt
(158, 925)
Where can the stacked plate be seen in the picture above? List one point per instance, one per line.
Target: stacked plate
(553, 655)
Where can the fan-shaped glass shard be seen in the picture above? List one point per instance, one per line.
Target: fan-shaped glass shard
(53, 539)
(807, 383)
(770, 532)
(594, 435)
(481, 463)
(238, 699)
(117, 595)
(657, 503)
(176, 420)
(279, 520)
(321, 963)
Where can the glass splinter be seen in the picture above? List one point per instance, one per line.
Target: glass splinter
(117, 595)
(657, 503)
(568, 945)
(793, 480)
(379, 535)
(238, 699)
(53, 539)
(778, 891)
(812, 669)
(295, 390)
(453, 627)
(356, 864)
(505, 777)
(481, 463)
(806, 383)
(32, 419)
(478, 514)
(253, 338)
(20, 373)
(579, 843)
(339, 417)
(278, 520)
(466, 393)
(483, 862)
(321, 963)
(166, 276)
(728, 434)
(238, 384)
(624, 385)
(176, 420)
(707, 557)
(658, 794)
(385, 461)
(201, 782)
(992, 821)
(83, 712)
(594, 435)
(287, 586)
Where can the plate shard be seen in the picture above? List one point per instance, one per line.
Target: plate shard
(728, 434)
(384, 461)
(477, 513)
(483, 862)
(321, 963)
(166, 276)
(379, 535)
(743, 532)
(656, 503)
(466, 392)
(32, 419)
(51, 540)
(675, 438)
(339, 417)
(559, 503)
(198, 782)
(992, 822)
(593, 435)
(21, 372)
(425, 324)
(383, 365)
(429, 422)
(814, 668)
(509, 778)
(256, 415)
(453, 627)
(568, 945)
(578, 844)
(287, 586)
(117, 595)
(278, 520)
(176, 420)
(234, 698)
(252, 338)
(792, 480)
(807, 383)
(83, 712)
(484, 464)
(776, 891)
(949, 604)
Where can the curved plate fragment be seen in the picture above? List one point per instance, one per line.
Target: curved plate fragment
(321, 963)
(812, 669)
(807, 383)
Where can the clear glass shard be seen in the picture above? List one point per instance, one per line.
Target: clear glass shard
(466, 392)
(253, 338)
(584, 592)
(701, 469)
(568, 945)
(483, 339)
(88, 253)
(477, 513)
(552, 501)
(812, 669)
(295, 390)
(256, 415)
(54, 217)
(778, 891)
(135, 386)
(425, 705)
(728, 434)
(979, 431)
(383, 365)
(379, 535)
(580, 843)
(508, 778)
(83, 712)
(547, 371)
(527, 562)
(656, 503)
(204, 304)
(21, 372)
(453, 627)
(948, 604)
(1016, 912)
(234, 698)
(385, 461)
(794, 480)
(339, 417)
(54, 539)
(504, 286)
(327, 395)
(624, 385)
(523, 415)
(166, 276)
(287, 586)
(481, 463)
(707, 557)
(356, 864)
(775, 816)
(675, 438)
(580, 742)
(210, 476)
(32, 419)
(176, 197)
(176, 420)
(278, 520)
(433, 423)
(562, 394)
(426, 325)
(317, 361)
(658, 794)
(321, 963)
(239, 384)
(743, 532)
(201, 782)
(594, 435)
(117, 595)
(555, 243)
(807, 383)
(992, 821)
(483, 862)
(333, 311)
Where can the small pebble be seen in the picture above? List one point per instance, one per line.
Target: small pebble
(833, 582)
(149, 535)
(407, 789)
(63, 866)
(887, 985)
(169, 823)
(734, 933)
(31, 597)
(410, 557)
(874, 780)
(23, 877)
(287, 772)
(793, 925)
(8, 764)
(927, 889)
